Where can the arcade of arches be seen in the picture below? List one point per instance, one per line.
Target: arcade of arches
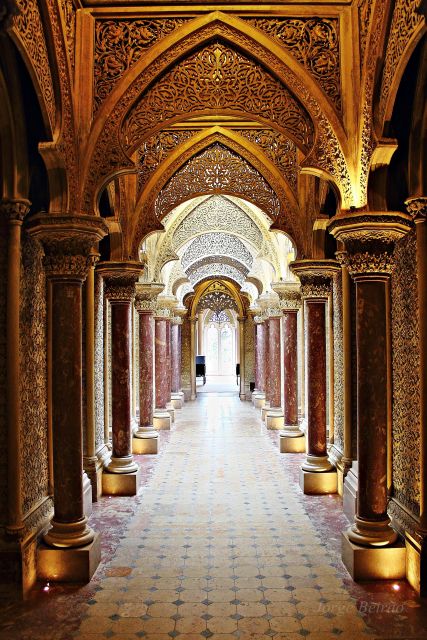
(245, 180)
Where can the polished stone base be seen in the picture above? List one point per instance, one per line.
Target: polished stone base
(69, 565)
(87, 495)
(416, 563)
(374, 563)
(274, 419)
(145, 444)
(121, 484)
(318, 483)
(162, 419)
(177, 400)
(264, 410)
(349, 495)
(171, 411)
(291, 444)
(17, 568)
(258, 400)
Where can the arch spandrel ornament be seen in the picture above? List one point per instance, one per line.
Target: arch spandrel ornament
(215, 245)
(98, 166)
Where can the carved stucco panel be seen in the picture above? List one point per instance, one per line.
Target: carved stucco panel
(99, 361)
(216, 244)
(249, 352)
(406, 382)
(33, 385)
(3, 424)
(338, 363)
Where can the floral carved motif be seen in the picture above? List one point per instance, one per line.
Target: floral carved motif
(217, 301)
(216, 244)
(232, 262)
(99, 361)
(69, 11)
(314, 42)
(217, 169)
(406, 378)
(3, 423)
(404, 24)
(28, 24)
(121, 43)
(216, 270)
(280, 149)
(218, 78)
(154, 150)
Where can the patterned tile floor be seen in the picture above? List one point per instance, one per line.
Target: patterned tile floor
(220, 543)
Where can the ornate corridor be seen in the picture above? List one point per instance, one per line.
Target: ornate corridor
(194, 196)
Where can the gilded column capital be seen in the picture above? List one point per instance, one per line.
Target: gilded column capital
(146, 296)
(67, 242)
(14, 210)
(316, 277)
(289, 293)
(162, 313)
(120, 279)
(369, 239)
(417, 208)
(176, 320)
(181, 311)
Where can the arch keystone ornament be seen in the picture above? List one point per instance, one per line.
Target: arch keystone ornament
(67, 243)
(121, 477)
(317, 474)
(369, 547)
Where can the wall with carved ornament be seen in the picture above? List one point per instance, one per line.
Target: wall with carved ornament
(186, 358)
(338, 364)
(249, 354)
(406, 381)
(3, 432)
(99, 361)
(33, 388)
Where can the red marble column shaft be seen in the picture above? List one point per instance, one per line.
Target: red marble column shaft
(260, 357)
(146, 386)
(121, 378)
(175, 364)
(162, 375)
(274, 362)
(169, 357)
(179, 357)
(371, 341)
(67, 399)
(315, 337)
(290, 367)
(266, 362)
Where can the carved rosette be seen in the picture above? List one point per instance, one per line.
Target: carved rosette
(369, 239)
(146, 296)
(14, 210)
(417, 208)
(289, 294)
(316, 277)
(68, 242)
(120, 279)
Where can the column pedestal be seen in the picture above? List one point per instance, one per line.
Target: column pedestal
(162, 419)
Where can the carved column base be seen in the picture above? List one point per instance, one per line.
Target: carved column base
(292, 441)
(69, 565)
(314, 483)
(242, 396)
(349, 496)
(264, 410)
(258, 399)
(69, 534)
(373, 563)
(371, 533)
(87, 495)
(274, 418)
(171, 411)
(121, 484)
(94, 467)
(161, 419)
(343, 466)
(145, 441)
(125, 464)
(177, 400)
(316, 464)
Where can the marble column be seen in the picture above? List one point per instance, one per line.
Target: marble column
(121, 476)
(162, 417)
(370, 263)
(67, 241)
(242, 321)
(145, 439)
(274, 414)
(176, 395)
(291, 438)
(416, 544)
(258, 397)
(266, 405)
(317, 473)
(193, 322)
(14, 212)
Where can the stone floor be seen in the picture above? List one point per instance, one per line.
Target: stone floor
(220, 543)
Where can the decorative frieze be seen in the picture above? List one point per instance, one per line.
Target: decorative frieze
(120, 279)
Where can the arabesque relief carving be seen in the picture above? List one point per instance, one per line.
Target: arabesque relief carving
(280, 149)
(69, 11)
(314, 42)
(211, 260)
(216, 245)
(119, 44)
(214, 170)
(217, 270)
(218, 78)
(154, 150)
